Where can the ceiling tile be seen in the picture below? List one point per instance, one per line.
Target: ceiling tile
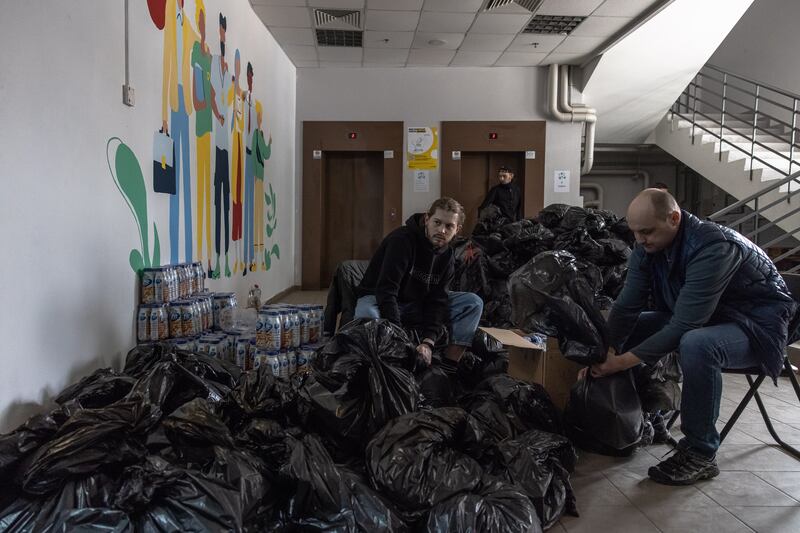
(278, 2)
(404, 5)
(494, 23)
(474, 59)
(464, 6)
(545, 43)
(565, 59)
(430, 58)
(385, 56)
(520, 59)
(392, 20)
(295, 17)
(306, 64)
(293, 35)
(431, 21)
(339, 53)
(451, 40)
(579, 45)
(568, 7)
(600, 26)
(300, 53)
(337, 4)
(340, 64)
(512, 7)
(486, 42)
(396, 39)
(624, 8)
(382, 65)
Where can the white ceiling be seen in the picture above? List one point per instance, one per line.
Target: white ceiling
(398, 33)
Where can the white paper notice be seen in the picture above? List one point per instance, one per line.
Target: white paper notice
(561, 181)
(421, 181)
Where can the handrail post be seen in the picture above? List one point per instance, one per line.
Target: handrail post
(753, 139)
(791, 145)
(694, 106)
(755, 222)
(722, 112)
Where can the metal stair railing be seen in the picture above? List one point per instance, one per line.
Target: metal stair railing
(755, 114)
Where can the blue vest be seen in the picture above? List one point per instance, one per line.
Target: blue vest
(756, 299)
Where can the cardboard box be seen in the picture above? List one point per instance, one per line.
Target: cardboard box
(531, 363)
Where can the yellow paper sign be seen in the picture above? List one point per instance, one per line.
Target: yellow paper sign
(423, 148)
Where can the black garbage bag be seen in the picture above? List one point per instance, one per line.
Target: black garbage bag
(531, 239)
(594, 222)
(471, 269)
(159, 496)
(574, 217)
(417, 461)
(259, 394)
(540, 463)
(550, 216)
(621, 230)
(436, 388)
(609, 217)
(551, 286)
(82, 504)
(614, 280)
(92, 439)
(267, 439)
(327, 498)
(17, 445)
(615, 252)
(144, 357)
(492, 243)
(604, 415)
(501, 265)
(659, 384)
(246, 472)
(525, 406)
(494, 506)
(195, 427)
(486, 357)
(104, 387)
(361, 380)
(489, 220)
(579, 243)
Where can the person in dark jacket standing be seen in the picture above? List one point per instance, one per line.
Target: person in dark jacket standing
(408, 277)
(505, 195)
(720, 302)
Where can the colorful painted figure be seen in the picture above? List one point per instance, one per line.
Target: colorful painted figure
(201, 91)
(237, 128)
(249, 128)
(261, 152)
(179, 38)
(221, 87)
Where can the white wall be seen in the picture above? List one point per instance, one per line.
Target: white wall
(763, 45)
(423, 97)
(70, 292)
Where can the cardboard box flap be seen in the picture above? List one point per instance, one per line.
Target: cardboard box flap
(509, 338)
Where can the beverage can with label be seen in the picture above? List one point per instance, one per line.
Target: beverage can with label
(143, 323)
(284, 361)
(292, 356)
(175, 321)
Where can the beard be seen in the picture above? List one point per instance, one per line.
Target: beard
(222, 48)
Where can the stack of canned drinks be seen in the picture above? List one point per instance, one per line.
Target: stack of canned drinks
(283, 335)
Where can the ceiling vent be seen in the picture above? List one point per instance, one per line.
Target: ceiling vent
(337, 19)
(552, 24)
(349, 38)
(530, 5)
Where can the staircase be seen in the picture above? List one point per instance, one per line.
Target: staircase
(742, 136)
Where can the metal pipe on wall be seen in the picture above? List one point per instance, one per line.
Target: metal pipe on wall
(599, 193)
(560, 108)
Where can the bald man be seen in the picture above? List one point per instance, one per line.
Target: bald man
(720, 303)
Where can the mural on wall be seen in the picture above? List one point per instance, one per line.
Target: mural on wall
(128, 177)
(198, 82)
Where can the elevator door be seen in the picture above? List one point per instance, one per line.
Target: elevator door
(353, 218)
(479, 174)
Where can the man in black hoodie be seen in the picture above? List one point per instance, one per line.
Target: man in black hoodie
(505, 195)
(407, 280)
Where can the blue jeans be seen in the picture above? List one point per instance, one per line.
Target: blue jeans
(465, 314)
(179, 128)
(703, 352)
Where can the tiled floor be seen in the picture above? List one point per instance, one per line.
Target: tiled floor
(758, 488)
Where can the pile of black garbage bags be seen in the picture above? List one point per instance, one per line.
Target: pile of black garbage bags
(597, 241)
(365, 442)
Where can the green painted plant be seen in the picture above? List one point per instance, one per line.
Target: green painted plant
(272, 224)
(129, 180)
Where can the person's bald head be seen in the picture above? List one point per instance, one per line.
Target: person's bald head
(654, 218)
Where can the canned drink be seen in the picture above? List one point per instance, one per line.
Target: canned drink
(242, 349)
(297, 326)
(175, 321)
(143, 323)
(157, 317)
(174, 285)
(302, 360)
(214, 349)
(284, 361)
(286, 329)
(197, 316)
(292, 356)
(184, 344)
(318, 319)
(158, 276)
(305, 318)
(273, 362)
(208, 311)
(149, 285)
(224, 302)
(187, 322)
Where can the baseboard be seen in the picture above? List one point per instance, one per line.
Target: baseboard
(278, 297)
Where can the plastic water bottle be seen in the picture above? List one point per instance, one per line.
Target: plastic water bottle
(254, 297)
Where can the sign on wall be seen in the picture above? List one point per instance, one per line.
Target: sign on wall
(423, 148)
(421, 181)
(561, 181)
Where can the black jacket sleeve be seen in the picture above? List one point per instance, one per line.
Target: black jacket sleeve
(489, 200)
(437, 305)
(520, 213)
(396, 260)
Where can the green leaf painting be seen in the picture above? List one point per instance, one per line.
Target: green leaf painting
(272, 223)
(128, 178)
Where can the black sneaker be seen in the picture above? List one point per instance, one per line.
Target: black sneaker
(684, 467)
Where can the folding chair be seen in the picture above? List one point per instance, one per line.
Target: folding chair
(755, 377)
